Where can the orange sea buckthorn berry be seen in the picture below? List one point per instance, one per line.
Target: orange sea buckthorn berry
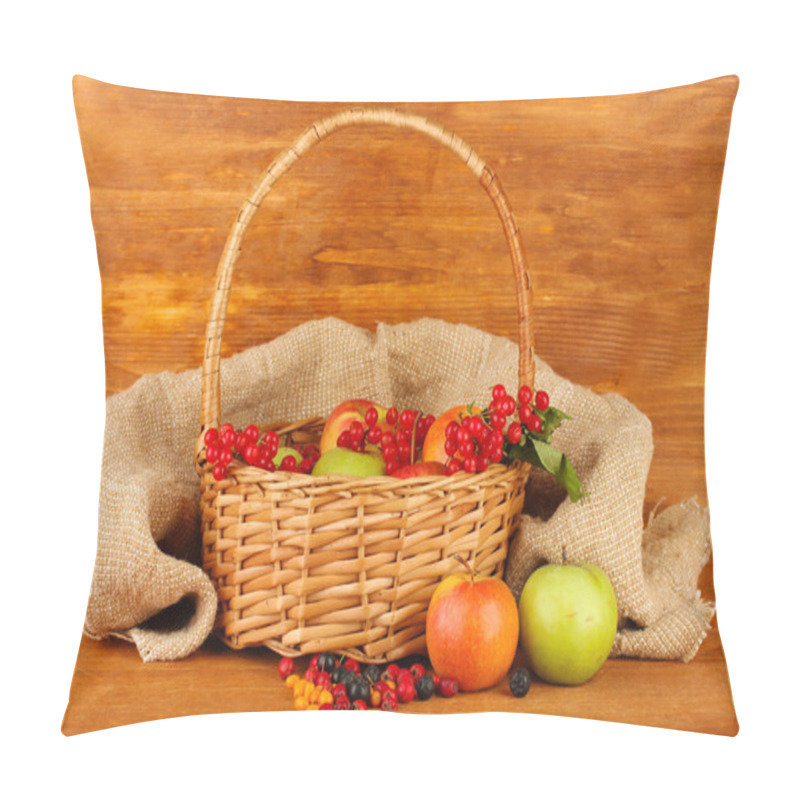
(292, 680)
(300, 703)
(325, 697)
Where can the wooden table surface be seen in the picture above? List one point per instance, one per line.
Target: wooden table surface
(112, 686)
(616, 199)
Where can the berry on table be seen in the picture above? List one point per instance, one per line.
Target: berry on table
(425, 687)
(326, 662)
(448, 687)
(520, 682)
(372, 672)
(358, 689)
(285, 667)
(406, 690)
(389, 702)
(341, 703)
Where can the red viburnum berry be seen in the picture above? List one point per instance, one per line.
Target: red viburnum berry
(497, 420)
(542, 400)
(225, 456)
(371, 417)
(526, 415)
(251, 432)
(220, 472)
(408, 419)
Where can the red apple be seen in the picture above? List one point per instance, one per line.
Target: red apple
(472, 630)
(433, 446)
(343, 416)
(419, 469)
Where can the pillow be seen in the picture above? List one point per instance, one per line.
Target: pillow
(616, 201)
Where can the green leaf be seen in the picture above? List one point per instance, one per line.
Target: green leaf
(545, 456)
(551, 419)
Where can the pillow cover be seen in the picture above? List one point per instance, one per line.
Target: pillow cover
(615, 197)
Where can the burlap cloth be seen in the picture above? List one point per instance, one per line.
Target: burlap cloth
(146, 589)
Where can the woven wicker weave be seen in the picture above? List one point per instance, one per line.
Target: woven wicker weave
(306, 564)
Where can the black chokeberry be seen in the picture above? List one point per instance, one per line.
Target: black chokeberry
(520, 682)
(358, 689)
(326, 662)
(372, 672)
(425, 687)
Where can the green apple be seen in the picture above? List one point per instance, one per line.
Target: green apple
(344, 461)
(568, 621)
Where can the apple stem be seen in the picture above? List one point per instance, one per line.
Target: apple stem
(463, 561)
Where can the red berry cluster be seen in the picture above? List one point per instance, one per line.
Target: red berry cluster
(253, 447)
(478, 440)
(331, 683)
(399, 437)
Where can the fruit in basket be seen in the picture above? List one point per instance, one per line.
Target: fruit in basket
(472, 629)
(287, 452)
(343, 461)
(568, 621)
(419, 469)
(433, 449)
(342, 417)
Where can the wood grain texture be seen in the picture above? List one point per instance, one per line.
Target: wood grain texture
(113, 687)
(616, 199)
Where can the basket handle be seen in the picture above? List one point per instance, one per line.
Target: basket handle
(210, 400)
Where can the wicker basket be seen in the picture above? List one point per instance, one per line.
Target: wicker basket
(305, 564)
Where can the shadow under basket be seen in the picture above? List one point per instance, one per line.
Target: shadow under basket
(304, 564)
